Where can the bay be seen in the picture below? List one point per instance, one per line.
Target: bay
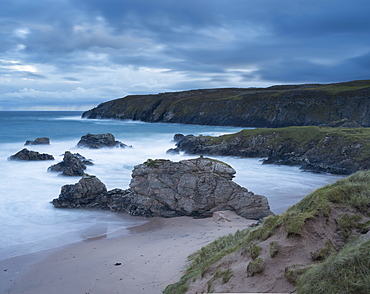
(30, 223)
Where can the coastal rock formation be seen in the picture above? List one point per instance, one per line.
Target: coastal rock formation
(88, 189)
(38, 141)
(318, 149)
(30, 155)
(96, 141)
(195, 187)
(276, 106)
(72, 165)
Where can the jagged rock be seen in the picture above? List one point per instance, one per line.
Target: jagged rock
(173, 151)
(38, 141)
(96, 141)
(83, 159)
(72, 165)
(30, 155)
(178, 137)
(85, 192)
(194, 187)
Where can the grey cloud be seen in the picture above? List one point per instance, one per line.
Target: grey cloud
(208, 43)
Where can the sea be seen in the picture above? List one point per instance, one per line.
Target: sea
(29, 223)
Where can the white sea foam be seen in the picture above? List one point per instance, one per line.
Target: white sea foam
(30, 223)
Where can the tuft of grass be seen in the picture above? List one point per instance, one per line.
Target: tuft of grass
(294, 272)
(324, 252)
(274, 249)
(155, 162)
(254, 251)
(227, 276)
(255, 267)
(349, 222)
(346, 272)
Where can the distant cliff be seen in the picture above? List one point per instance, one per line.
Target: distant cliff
(276, 106)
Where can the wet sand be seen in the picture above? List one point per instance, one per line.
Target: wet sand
(151, 257)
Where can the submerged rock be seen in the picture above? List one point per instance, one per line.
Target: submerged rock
(72, 165)
(30, 155)
(97, 141)
(38, 141)
(194, 187)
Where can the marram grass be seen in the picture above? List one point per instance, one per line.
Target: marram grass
(347, 272)
(351, 265)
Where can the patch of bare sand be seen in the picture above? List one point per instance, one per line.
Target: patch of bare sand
(146, 261)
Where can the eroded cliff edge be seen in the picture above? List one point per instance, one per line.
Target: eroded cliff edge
(276, 106)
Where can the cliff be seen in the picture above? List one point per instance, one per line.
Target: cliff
(318, 149)
(276, 106)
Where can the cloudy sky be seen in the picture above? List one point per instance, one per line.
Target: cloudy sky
(75, 54)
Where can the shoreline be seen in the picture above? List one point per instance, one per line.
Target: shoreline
(151, 257)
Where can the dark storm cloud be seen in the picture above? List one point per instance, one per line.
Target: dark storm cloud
(149, 45)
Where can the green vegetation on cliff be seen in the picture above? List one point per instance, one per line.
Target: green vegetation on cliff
(329, 221)
(276, 106)
(321, 149)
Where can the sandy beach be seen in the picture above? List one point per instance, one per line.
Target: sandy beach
(145, 261)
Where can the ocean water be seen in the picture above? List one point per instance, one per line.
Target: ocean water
(29, 222)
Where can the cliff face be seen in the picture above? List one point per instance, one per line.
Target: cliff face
(276, 106)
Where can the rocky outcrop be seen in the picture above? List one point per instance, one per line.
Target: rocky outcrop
(30, 155)
(38, 141)
(72, 165)
(276, 106)
(82, 194)
(195, 187)
(97, 141)
(332, 150)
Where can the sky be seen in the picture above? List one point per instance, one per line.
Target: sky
(75, 54)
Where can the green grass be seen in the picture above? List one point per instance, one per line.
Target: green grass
(343, 87)
(274, 248)
(346, 272)
(352, 192)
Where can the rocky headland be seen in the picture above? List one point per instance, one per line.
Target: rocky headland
(194, 187)
(276, 106)
(318, 149)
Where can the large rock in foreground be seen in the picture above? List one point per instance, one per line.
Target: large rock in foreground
(30, 155)
(195, 187)
(96, 141)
